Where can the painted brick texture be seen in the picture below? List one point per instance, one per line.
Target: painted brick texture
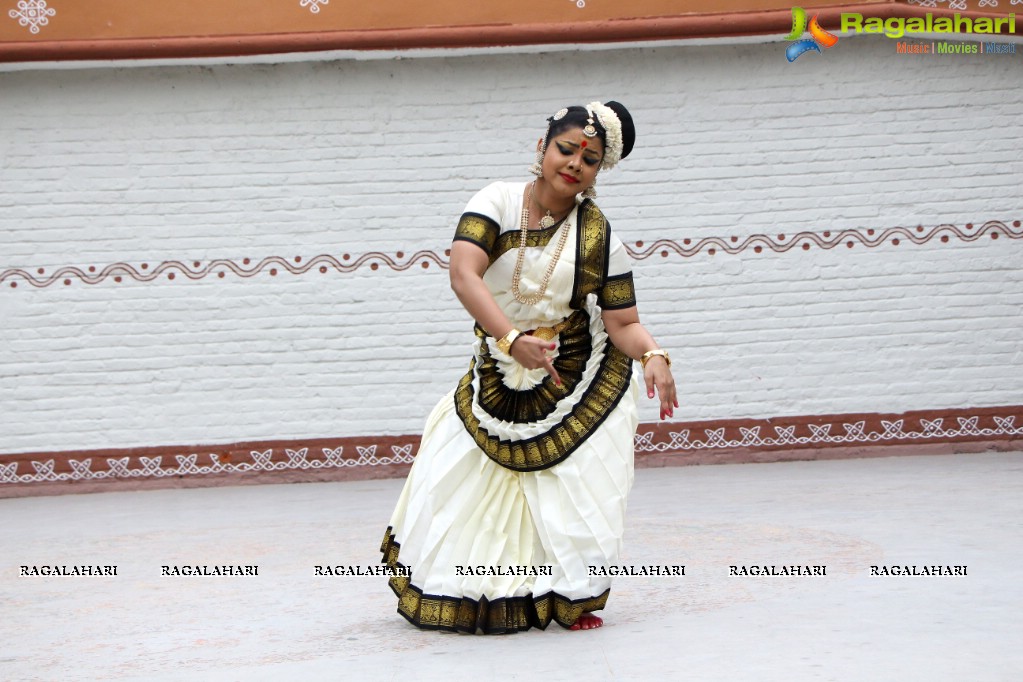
(191, 164)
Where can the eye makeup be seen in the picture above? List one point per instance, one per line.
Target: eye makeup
(590, 156)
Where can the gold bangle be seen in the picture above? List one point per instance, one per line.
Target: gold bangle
(504, 343)
(651, 353)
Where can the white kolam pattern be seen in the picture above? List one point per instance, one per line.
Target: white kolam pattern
(646, 442)
(32, 14)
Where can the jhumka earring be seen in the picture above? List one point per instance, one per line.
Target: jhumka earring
(537, 167)
(591, 191)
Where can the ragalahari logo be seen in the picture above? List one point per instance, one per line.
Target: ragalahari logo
(818, 36)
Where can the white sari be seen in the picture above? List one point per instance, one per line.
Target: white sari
(518, 493)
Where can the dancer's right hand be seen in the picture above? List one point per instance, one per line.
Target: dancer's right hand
(531, 353)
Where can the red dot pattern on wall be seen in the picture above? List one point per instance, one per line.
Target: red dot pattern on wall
(375, 260)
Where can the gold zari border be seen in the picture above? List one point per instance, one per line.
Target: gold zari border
(591, 253)
(522, 407)
(600, 397)
(479, 230)
(534, 238)
(505, 615)
(557, 443)
(618, 292)
(486, 234)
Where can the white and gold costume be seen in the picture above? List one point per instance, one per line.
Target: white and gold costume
(513, 470)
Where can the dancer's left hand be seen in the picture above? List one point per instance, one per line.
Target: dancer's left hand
(658, 376)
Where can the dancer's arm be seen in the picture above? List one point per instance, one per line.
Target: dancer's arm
(468, 263)
(632, 338)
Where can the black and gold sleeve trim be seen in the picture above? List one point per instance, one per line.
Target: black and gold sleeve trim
(619, 291)
(478, 229)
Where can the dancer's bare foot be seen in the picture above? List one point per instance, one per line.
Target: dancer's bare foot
(587, 621)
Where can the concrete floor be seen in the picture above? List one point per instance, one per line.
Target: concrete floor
(288, 624)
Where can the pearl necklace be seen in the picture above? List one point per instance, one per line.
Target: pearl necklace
(533, 299)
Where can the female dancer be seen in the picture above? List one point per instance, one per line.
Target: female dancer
(517, 496)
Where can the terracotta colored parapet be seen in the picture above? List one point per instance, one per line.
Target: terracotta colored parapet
(774, 439)
(628, 30)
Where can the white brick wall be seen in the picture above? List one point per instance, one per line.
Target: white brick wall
(189, 163)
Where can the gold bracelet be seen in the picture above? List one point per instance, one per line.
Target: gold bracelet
(504, 343)
(651, 353)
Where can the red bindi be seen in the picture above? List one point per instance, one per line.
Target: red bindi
(582, 144)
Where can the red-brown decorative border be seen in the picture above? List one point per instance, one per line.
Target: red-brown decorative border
(731, 440)
(324, 263)
(701, 20)
(827, 239)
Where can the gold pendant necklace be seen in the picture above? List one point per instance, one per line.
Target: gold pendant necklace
(548, 219)
(533, 299)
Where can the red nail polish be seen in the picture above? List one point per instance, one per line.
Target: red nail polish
(650, 394)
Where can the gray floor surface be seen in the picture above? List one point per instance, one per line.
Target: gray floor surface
(289, 624)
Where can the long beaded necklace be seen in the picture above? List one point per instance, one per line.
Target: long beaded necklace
(533, 299)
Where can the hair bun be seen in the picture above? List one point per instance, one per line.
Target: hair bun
(628, 127)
